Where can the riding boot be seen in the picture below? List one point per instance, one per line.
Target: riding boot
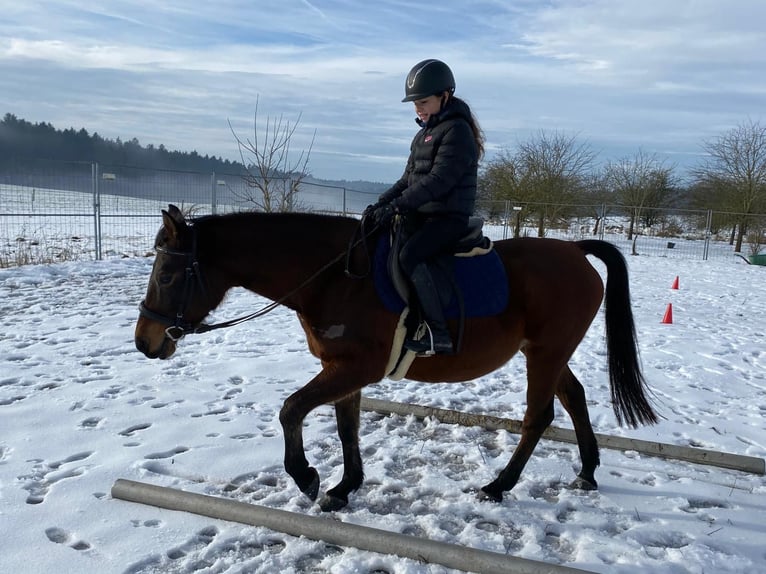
(437, 339)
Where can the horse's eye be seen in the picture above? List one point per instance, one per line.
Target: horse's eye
(165, 278)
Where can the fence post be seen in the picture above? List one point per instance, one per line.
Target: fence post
(505, 219)
(344, 201)
(213, 198)
(94, 170)
(603, 222)
(708, 233)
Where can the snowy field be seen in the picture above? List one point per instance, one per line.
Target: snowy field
(80, 408)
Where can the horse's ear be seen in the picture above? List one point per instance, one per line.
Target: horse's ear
(175, 212)
(173, 220)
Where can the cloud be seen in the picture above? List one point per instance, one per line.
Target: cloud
(662, 75)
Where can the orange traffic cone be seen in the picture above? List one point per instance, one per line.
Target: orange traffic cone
(668, 317)
(675, 283)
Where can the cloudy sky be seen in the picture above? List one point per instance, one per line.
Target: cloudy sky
(658, 75)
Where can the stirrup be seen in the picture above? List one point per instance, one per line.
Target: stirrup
(424, 345)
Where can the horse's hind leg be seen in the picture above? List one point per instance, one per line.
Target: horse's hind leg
(532, 428)
(572, 396)
(347, 416)
(542, 374)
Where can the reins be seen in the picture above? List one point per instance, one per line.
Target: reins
(205, 327)
(353, 242)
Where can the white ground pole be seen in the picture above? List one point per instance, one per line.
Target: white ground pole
(744, 463)
(334, 531)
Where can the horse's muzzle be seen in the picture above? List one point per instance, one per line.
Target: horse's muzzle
(152, 341)
(164, 351)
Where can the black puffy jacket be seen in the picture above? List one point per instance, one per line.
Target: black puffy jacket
(442, 170)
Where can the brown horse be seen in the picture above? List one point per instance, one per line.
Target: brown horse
(297, 260)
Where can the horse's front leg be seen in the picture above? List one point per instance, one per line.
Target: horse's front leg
(291, 417)
(347, 416)
(334, 384)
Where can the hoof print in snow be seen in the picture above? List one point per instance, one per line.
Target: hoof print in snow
(45, 474)
(61, 536)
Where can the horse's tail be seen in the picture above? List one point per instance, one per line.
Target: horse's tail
(627, 384)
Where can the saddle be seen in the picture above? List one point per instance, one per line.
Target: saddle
(474, 243)
(472, 283)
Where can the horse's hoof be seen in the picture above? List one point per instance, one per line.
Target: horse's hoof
(581, 483)
(312, 488)
(485, 496)
(331, 503)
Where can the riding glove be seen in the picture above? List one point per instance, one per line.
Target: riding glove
(384, 214)
(370, 209)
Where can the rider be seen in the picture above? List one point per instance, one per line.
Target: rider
(437, 192)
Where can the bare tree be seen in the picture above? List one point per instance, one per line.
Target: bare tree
(506, 179)
(542, 175)
(736, 169)
(555, 166)
(499, 183)
(274, 175)
(643, 184)
(596, 195)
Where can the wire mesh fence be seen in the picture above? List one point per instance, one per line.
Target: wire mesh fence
(59, 211)
(667, 232)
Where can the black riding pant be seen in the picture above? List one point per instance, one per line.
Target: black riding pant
(429, 238)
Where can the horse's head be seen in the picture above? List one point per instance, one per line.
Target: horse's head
(177, 298)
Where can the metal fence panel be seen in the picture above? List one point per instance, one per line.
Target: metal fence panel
(60, 211)
(47, 217)
(666, 232)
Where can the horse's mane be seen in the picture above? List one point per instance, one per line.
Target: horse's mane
(301, 226)
(305, 218)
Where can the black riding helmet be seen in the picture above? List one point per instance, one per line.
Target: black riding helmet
(428, 78)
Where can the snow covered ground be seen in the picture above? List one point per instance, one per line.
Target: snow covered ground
(80, 408)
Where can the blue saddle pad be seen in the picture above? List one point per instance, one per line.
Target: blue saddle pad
(481, 280)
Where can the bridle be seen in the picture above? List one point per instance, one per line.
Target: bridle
(178, 327)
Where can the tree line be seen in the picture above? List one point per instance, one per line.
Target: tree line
(552, 175)
(272, 174)
(23, 144)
